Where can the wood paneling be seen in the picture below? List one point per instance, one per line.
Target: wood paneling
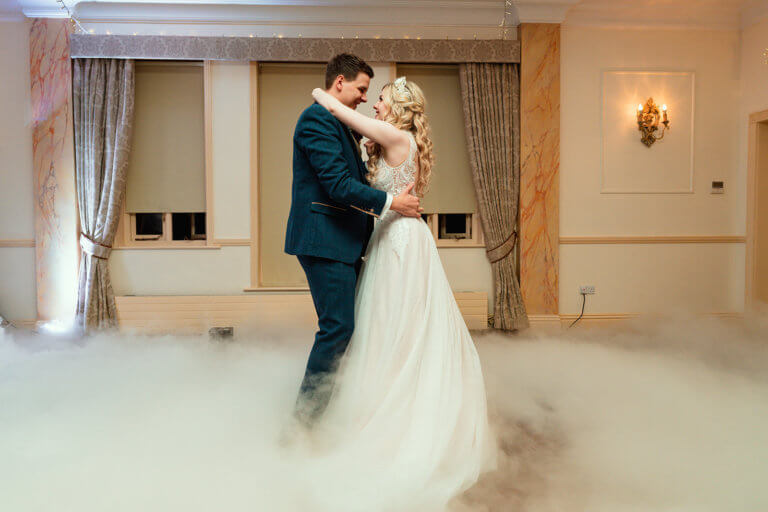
(559, 322)
(712, 239)
(196, 314)
(17, 243)
(753, 185)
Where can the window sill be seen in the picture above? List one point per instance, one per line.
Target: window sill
(448, 244)
(165, 246)
(277, 289)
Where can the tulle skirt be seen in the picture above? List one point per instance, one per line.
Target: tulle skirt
(409, 407)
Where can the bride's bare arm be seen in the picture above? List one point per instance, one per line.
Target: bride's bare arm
(379, 131)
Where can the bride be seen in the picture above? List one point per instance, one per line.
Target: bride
(411, 395)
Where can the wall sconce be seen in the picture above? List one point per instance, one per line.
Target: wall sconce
(648, 118)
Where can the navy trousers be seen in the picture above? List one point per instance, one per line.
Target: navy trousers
(332, 285)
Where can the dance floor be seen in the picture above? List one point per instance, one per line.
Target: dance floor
(653, 415)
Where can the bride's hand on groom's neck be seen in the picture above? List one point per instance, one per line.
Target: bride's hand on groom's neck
(324, 99)
(407, 204)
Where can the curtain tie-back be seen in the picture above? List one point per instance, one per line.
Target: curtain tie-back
(94, 249)
(502, 250)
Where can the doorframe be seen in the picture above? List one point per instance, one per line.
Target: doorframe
(752, 177)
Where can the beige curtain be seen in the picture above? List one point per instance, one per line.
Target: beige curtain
(103, 116)
(491, 97)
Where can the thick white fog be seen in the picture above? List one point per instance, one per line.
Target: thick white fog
(659, 415)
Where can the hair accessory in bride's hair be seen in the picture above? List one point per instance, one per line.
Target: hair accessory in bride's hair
(400, 87)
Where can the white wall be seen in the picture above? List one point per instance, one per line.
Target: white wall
(221, 271)
(17, 264)
(224, 271)
(231, 139)
(637, 278)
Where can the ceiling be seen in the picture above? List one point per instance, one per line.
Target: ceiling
(663, 13)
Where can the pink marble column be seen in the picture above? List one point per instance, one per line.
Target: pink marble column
(540, 166)
(56, 222)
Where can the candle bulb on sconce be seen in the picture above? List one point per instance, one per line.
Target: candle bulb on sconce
(648, 120)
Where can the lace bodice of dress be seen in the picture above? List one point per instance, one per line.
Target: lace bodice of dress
(394, 179)
(392, 228)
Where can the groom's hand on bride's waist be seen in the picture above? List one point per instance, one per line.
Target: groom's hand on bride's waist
(407, 204)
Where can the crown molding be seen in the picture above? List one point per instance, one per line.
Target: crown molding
(389, 13)
(649, 26)
(44, 13)
(466, 15)
(432, 18)
(672, 15)
(394, 19)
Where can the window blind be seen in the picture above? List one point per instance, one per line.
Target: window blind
(166, 169)
(451, 189)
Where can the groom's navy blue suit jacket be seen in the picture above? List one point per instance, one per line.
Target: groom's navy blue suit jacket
(332, 207)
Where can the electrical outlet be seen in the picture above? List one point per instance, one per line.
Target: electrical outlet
(221, 333)
(587, 290)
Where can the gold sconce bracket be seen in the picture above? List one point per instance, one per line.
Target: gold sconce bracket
(648, 119)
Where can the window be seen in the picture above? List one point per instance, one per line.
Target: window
(148, 226)
(166, 227)
(450, 204)
(188, 226)
(454, 226)
(165, 198)
(455, 229)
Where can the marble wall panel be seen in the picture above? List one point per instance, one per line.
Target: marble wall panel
(56, 223)
(539, 166)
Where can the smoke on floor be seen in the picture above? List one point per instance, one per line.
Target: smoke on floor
(658, 415)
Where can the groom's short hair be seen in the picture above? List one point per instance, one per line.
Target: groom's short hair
(347, 65)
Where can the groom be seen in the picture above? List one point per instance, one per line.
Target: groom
(331, 219)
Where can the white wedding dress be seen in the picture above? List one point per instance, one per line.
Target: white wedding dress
(409, 409)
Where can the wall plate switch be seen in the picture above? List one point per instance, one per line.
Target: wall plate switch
(718, 187)
(587, 290)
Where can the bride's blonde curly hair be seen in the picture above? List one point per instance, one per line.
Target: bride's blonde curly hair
(406, 112)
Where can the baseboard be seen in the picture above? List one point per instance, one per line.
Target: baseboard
(25, 242)
(606, 319)
(197, 314)
(544, 321)
(24, 324)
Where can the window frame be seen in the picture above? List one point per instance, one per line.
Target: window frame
(476, 240)
(126, 230)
